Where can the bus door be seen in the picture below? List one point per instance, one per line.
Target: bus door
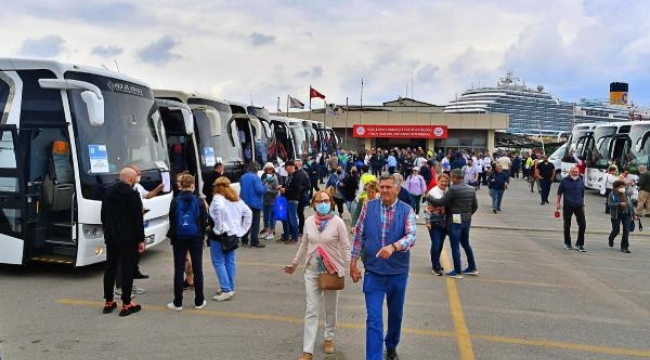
(179, 128)
(12, 198)
(621, 149)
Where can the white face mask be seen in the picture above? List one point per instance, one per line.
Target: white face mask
(621, 190)
(575, 177)
(137, 179)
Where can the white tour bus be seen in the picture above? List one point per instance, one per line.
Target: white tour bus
(285, 145)
(639, 149)
(611, 144)
(65, 133)
(214, 139)
(578, 144)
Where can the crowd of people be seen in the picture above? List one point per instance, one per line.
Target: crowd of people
(384, 191)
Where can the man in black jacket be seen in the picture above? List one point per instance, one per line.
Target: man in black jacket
(123, 223)
(293, 191)
(208, 182)
(303, 180)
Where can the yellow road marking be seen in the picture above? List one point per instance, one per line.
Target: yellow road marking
(462, 333)
(413, 331)
(428, 275)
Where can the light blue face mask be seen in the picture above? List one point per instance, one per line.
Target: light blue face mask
(323, 209)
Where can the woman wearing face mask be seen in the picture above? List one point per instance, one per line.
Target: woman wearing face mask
(622, 213)
(326, 247)
(270, 180)
(333, 186)
(607, 185)
(435, 216)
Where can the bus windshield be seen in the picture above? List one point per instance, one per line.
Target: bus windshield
(132, 133)
(312, 140)
(213, 149)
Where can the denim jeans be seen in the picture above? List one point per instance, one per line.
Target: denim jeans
(375, 288)
(269, 216)
(352, 205)
(437, 235)
(497, 195)
(459, 236)
(254, 231)
(290, 227)
(623, 219)
(224, 266)
(180, 249)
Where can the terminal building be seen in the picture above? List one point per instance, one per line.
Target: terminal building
(407, 122)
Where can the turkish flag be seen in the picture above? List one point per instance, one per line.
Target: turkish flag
(313, 93)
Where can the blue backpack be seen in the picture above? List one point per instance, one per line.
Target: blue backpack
(187, 216)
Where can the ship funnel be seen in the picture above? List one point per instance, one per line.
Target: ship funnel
(618, 93)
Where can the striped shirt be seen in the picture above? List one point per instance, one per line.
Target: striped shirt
(387, 212)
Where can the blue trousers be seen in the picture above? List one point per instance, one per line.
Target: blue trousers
(497, 196)
(290, 227)
(224, 266)
(437, 235)
(269, 216)
(377, 287)
(459, 236)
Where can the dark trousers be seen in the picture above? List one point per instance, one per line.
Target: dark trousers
(579, 212)
(437, 235)
(180, 248)
(459, 236)
(254, 231)
(607, 191)
(375, 288)
(546, 188)
(482, 177)
(376, 170)
(301, 218)
(339, 205)
(124, 256)
(391, 170)
(623, 219)
(118, 273)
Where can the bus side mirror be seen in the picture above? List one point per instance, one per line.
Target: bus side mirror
(188, 120)
(215, 121)
(91, 96)
(95, 107)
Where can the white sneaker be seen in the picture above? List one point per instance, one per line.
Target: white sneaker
(173, 307)
(199, 307)
(138, 290)
(224, 296)
(417, 217)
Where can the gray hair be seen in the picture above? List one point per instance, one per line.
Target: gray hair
(399, 179)
(253, 167)
(390, 177)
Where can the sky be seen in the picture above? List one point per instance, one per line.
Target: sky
(259, 50)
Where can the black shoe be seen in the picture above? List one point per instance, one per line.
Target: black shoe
(542, 203)
(392, 355)
(109, 307)
(494, 211)
(140, 275)
(611, 242)
(257, 246)
(568, 247)
(581, 249)
(129, 309)
(437, 272)
(627, 251)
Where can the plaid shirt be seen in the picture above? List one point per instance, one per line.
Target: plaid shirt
(387, 212)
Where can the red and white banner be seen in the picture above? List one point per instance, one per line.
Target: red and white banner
(400, 131)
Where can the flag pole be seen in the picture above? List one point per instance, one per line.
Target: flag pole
(309, 102)
(325, 113)
(287, 105)
(347, 117)
(278, 107)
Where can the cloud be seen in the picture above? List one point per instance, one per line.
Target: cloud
(315, 73)
(260, 39)
(159, 52)
(107, 51)
(47, 47)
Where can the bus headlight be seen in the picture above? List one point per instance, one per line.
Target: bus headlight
(93, 231)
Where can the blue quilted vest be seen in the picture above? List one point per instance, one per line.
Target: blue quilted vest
(398, 263)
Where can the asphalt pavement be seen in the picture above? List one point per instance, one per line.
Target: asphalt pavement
(531, 300)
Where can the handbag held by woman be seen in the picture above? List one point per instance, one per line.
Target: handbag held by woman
(327, 281)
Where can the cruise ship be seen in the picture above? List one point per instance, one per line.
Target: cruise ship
(534, 111)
